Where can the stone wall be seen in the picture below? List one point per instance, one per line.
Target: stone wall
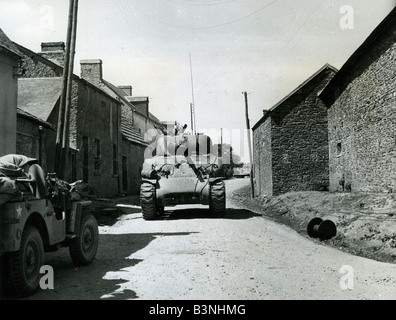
(133, 154)
(32, 141)
(362, 123)
(8, 103)
(96, 116)
(262, 159)
(292, 143)
(35, 66)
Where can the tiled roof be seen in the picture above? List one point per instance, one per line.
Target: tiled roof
(137, 99)
(119, 92)
(132, 134)
(38, 96)
(33, 118)
(128, 99)
(133, 100)
(7, 44)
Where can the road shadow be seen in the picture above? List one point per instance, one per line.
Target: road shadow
(87, 283)
(203, 213)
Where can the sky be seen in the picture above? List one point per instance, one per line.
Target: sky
(204, 51)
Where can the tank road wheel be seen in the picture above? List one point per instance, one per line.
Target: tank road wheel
(23, 267)
(217, 204)
(161, 210)
(147, 201)
(83, 248)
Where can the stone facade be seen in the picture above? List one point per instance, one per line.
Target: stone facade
(362, 116)
(34, 65)
(33, 136)
(95, 132)
(262, 158)
(134, 124)
(95, 128)
(9, 62)
(132, 158)
(291, 141)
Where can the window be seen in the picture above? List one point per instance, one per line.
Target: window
(85, 159)
(98, 158)
(73, 161)
(103, 108)
(97, 147)
(339, 148)
(115, 160)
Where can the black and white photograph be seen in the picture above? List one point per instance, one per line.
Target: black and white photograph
(197, 155)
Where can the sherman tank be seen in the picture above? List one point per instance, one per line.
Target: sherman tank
(184, 169)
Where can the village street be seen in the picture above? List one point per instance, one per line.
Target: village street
(190, 255)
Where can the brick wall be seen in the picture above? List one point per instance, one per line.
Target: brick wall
(362, 123)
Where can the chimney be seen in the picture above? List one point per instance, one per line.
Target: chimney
(54, 51)
(91, 70)
(127, 90)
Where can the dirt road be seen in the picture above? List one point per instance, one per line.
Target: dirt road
(190, 255)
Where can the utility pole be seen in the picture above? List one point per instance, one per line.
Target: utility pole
(250, 144)
(66, 127)
(62, 134)
(61, 112)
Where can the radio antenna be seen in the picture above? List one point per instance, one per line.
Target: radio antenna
(192, 105)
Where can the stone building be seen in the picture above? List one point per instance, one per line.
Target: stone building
(290, 141)
(135, 109)
(136, 119)
(9, 69)
(33, 136)
(361, 101)
(95, 119)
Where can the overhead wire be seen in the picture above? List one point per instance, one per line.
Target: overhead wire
(303, 36)
(208, 3)
(210, 26)
(131, 22)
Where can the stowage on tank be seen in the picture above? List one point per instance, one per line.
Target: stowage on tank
(184, 169)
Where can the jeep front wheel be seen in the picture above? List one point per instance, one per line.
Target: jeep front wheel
(23, 267)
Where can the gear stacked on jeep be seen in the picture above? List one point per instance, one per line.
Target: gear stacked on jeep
(184, 170)
(21, 176)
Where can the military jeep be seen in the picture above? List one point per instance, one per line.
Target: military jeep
(40, 214)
